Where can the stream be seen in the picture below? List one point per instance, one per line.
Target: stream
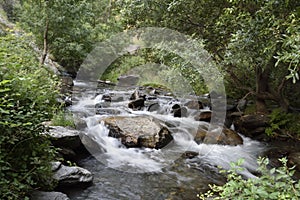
(144, 173)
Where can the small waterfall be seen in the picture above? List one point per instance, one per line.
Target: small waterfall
(115, 156)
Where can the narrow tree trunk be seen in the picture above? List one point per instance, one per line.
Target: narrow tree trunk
(261, 88)
(45, 50)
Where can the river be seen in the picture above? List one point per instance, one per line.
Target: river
(143, 173)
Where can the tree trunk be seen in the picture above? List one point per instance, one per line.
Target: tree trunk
(45, 50)
(262, 87)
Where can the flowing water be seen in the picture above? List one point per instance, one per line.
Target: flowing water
(142, 173)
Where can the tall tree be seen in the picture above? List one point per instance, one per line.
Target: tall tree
(62, 27)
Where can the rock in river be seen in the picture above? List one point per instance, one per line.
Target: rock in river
(40, 195)
(139, 131)
(72, 176)
(223, 136)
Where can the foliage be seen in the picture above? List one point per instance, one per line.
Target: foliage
(73, 27)
(255, 43)
(157, 67)
(67, 25)
(276, 183)
(283, 124)
(63, 118)
(27, 98)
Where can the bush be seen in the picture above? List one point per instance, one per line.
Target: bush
(283, 124)
(63, 118)
(276, 183)
(27, 98)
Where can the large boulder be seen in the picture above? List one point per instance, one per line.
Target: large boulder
(220, 135)
(252, 126)
(71, 176)
(67, 140)
(139, 131)
(40, 195)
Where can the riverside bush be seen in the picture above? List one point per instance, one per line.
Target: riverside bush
(63, 118)
(283, 124)
(276, 183)
(27, 98)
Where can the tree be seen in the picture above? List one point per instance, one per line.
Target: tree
(61, 27)
(68, 29)
(255, 43)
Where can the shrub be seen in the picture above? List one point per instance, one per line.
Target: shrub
(27, 98)
(283, 124)
(63, 118)
(276, 183)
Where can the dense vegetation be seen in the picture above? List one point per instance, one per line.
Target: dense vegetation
(255, 44)
(276, 183)
(27, 98)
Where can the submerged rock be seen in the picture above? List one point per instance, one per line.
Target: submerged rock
(40, 195)
(138, 131)
(223, 136)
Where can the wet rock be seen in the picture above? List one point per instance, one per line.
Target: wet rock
(190, 154)
(180, 112)
(64, 137)
(252, 126)
(117, 99)
(40, 195)
(294, 159)
(200, 135)
(204, 116)
(72, 176)
(107, 111)
(105, 104)
(130, 80)
(154, 107)
(194, 104)
(137, 95)
(67, 140)
(55, 166)
(223, 136)
(106, 97)
(138, 131)
(152, 91)
(137, 104)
